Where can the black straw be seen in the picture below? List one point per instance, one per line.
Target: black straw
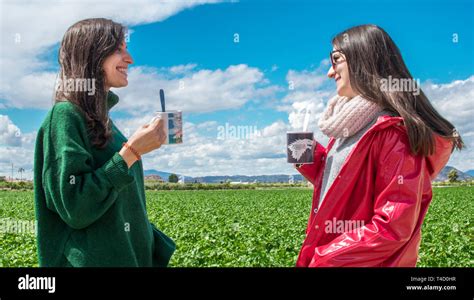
(162, 99)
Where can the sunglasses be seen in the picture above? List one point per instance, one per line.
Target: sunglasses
(336, 60)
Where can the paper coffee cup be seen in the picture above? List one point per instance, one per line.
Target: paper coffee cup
(172, 125)
(299, 147)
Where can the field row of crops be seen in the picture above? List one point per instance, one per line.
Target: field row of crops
(255, 228)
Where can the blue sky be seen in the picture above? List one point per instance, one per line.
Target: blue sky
(275, 37)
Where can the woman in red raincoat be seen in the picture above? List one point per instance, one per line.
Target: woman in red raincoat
(372, 183)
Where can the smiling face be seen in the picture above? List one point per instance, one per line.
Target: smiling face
(116, 67)
(339, 71)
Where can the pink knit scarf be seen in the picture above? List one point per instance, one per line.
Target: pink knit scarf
(344, 116)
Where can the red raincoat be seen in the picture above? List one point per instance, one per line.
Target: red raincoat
(381, 187)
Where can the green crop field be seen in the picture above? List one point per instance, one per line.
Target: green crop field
(254, 228)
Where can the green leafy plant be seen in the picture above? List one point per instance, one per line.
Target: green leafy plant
(253, 227)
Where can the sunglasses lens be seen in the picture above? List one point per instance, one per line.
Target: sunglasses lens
(331, 56)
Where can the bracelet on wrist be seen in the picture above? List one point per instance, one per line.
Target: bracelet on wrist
(135, 152)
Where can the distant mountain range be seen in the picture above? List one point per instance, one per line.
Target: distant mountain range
(163, 175)
(234, 178)
(443, 175)
(244, 178)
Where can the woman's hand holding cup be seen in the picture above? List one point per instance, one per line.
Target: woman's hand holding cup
(147, 138)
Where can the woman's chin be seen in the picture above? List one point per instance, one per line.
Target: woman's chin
(122, 83)
(343, 92)
(340, 92)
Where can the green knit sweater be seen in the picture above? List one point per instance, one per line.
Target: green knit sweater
(90, 208)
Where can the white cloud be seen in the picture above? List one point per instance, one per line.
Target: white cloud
(43, 23)
(20, 157)
(204, 154)
(182, 69)
(16, 147)
(308, 79)
(27, 81)
(33, 90)
(201, 154)
(265, 153)
(308, 93)
(11, 135)
(9, 132)
(30, 28)
(455, 102)
(193, 90)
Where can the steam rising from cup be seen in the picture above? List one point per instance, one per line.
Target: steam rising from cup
(306, 120)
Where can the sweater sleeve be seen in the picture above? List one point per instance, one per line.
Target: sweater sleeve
(164, 248)
(75, 190)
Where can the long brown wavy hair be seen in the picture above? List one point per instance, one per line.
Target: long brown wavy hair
(371, 56)
(84, 48)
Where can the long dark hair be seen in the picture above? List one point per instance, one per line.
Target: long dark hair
(84, 47)
(372, 56)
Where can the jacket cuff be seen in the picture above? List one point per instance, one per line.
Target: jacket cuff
(116, 170)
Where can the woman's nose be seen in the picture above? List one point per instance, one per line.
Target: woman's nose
(128, 58)
(331, 72)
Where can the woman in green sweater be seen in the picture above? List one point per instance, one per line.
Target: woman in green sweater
(88, 179)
